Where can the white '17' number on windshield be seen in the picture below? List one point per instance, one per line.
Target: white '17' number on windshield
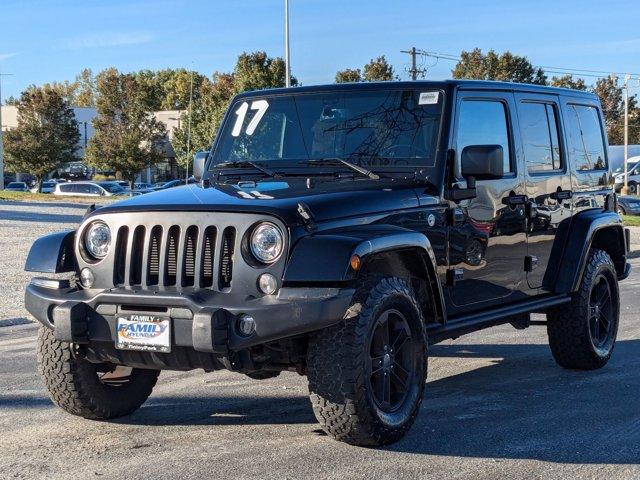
(259, 105)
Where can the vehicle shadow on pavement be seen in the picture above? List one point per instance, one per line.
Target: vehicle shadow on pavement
(38, 217)
(217, 410)
(524, 406)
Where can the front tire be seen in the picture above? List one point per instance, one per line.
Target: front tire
(89, 390)
(582, 333)
(367, 373)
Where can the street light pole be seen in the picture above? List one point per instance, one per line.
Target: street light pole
(287, 64)
(625, 189)
(186, 180)
(1, 139)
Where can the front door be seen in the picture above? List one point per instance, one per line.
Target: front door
(487, 241)
(548, 179)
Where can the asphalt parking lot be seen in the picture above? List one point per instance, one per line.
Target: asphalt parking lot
(496, 406)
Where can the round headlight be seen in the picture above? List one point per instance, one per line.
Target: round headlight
(97, 239)
(267, 242)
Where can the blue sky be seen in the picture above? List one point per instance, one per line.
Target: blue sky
(47, 40)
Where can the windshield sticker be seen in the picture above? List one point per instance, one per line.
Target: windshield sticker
(260, 105)
(428, 98)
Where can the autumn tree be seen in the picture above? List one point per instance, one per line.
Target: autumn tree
(127, 135)
(378, 70)
(505, 67)
(348, 75)
(46, 136)
(611, 97)
(568, 81)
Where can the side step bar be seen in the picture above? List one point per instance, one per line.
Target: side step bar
(472, 322)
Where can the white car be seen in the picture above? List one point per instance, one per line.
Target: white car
(89, 189)
(633, 165)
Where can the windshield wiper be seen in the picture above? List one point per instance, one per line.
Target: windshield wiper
(246, 164)
(340, 161)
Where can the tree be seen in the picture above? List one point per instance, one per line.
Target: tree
(378, 70)
(46, 136)
(85, 94)
(612, 100)
(506, 67)
(127, 136)
(568, 81)
(348, 75)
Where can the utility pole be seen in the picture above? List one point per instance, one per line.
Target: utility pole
(186, 180)
(287, 60)
(625, 188)
(414, 71)
(1, 136)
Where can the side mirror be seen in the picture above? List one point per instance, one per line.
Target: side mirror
(199, 160)
(482, 162)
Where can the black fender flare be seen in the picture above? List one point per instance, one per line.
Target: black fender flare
(52, 253)
(323, 258)
(574, 238)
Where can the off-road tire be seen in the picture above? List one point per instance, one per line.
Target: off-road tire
(568, 325)
(338, 384)
(74, 385)
(633, 188)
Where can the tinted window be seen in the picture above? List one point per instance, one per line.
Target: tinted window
(377, 129)
(587, 143)
(484, 122)
(67, 188)
(540, 136)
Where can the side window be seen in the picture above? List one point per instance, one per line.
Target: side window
(484, 122)
(587, 143)
(94, 189)
(539, 127)
(66, 188)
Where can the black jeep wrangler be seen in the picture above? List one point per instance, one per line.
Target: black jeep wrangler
(337, 231)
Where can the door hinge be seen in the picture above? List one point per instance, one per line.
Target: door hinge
(454, 275)
(530, 263)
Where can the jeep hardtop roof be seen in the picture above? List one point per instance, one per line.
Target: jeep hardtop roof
(446, 85)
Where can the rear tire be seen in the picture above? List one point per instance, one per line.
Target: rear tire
(582, 334)
(89, 390)
(367, 373)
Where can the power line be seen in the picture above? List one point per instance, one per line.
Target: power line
(583, 72)
(414, 70)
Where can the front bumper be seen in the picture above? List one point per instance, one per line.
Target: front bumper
(202, 320)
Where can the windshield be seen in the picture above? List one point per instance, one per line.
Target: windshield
(387, 128)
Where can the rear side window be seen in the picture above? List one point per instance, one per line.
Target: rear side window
(484, 122)
(66, 188)
(539, 127)
(587, 143)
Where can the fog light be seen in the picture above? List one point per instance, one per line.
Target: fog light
(246, 325)
(87, 278)
(267, 283)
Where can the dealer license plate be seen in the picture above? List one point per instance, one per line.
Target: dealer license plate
(147, 333)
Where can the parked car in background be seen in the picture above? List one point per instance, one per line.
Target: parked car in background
(90, 189)
(142, 186)
(628, 205)
(49, 186)
(633, 167)
(17, 187)
(174, 183)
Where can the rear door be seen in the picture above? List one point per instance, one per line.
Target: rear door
(487, 245)
(548, 180)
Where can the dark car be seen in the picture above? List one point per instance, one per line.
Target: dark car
(628, 205)
(337, 231)
(17, 187)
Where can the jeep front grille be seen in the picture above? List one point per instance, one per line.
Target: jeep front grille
(178, 256)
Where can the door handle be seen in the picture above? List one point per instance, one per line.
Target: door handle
(514, 200)
(561, 194)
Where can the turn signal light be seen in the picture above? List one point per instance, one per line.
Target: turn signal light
(355, 263)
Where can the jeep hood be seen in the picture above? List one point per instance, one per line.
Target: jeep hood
(280, 198)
